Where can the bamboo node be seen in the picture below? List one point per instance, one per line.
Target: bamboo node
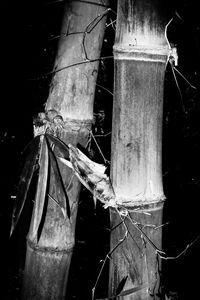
(141, 53)
(48, 122)
(36, 247)
(76, 125)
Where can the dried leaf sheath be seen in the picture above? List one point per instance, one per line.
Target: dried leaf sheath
(41, 185)
(92, 176)
(25, 181)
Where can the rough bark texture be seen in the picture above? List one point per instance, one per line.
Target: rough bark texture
(71, 96)
(140, 54)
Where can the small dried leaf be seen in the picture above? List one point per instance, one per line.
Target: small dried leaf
(121, 285)
(133, 290)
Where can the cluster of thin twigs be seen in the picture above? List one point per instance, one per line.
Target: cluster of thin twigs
(124, 215)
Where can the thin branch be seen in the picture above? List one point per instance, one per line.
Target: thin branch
(96, 21)
(88, 30)
(161, 253)
(108, 256)
(102, 87)
(182, 252)
(91, 26)
(172, 67)
(192, 86)
(57, 203)
(70, 66)
(105, 160)
(111, 24)
(102, 135)
(63, 34)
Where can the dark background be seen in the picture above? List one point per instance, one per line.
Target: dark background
(28, 53)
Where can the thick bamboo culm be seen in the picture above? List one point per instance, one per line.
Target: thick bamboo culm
(140, 56)
(71, 96)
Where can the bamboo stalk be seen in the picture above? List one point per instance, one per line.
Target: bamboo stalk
(140, 56)
(71, 97)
